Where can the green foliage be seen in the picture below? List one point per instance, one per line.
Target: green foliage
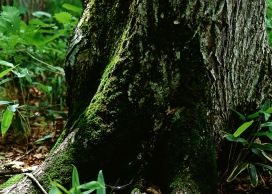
(98, 185)
(72, 8)
(10, 20)
(63, 17)
(70, 5)
(269, 21)
(252, 144)
(37, 49)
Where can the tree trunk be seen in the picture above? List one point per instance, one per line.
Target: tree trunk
(151, 83)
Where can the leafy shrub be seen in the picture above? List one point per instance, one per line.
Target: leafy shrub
(253, 144)
(30, 65)
(56, 5)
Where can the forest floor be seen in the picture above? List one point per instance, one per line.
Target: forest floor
(241, 184)
(23, 152)
(20, 151)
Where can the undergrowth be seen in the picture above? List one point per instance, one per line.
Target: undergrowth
(32, 80)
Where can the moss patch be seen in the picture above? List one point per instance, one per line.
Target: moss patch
(12, 180)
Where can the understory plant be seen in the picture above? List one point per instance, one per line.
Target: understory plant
(32, 80)
(269, 21)
(254, 136)
(98, 186)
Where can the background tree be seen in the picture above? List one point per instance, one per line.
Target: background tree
(151, 83)
(30, 5)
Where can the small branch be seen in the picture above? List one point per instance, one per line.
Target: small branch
(50, 67)
(36, 181)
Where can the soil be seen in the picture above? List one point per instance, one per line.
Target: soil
(241, 184)
(20, 151)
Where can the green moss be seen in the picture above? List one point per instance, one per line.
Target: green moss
(59, 141)
(12, 180)
(150, 101)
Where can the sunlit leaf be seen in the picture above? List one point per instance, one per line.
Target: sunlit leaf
(266, 115)
(44, 138)
(11, 15)
(5, 102)
(72, 8)
(242, 128)
(100, 179)
(13, 108)
(5, 72)
(254, 115)
(269, 110)
(39, 14)
(23, 72)
(5, 63)
(63, 17)
(37, 22)
(90, 185)
(6, 121)
(54, 190)
(237, 170)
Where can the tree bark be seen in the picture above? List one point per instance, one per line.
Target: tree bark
(150, 86)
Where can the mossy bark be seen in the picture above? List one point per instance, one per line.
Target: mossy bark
(151, 83)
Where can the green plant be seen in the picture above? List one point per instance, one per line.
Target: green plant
(253, 143)
(98, 185)
(269, 21)
(11, 108)
(38, 50)
(56, 5)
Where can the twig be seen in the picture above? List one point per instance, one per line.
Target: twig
(36, 181)
(48, 65)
